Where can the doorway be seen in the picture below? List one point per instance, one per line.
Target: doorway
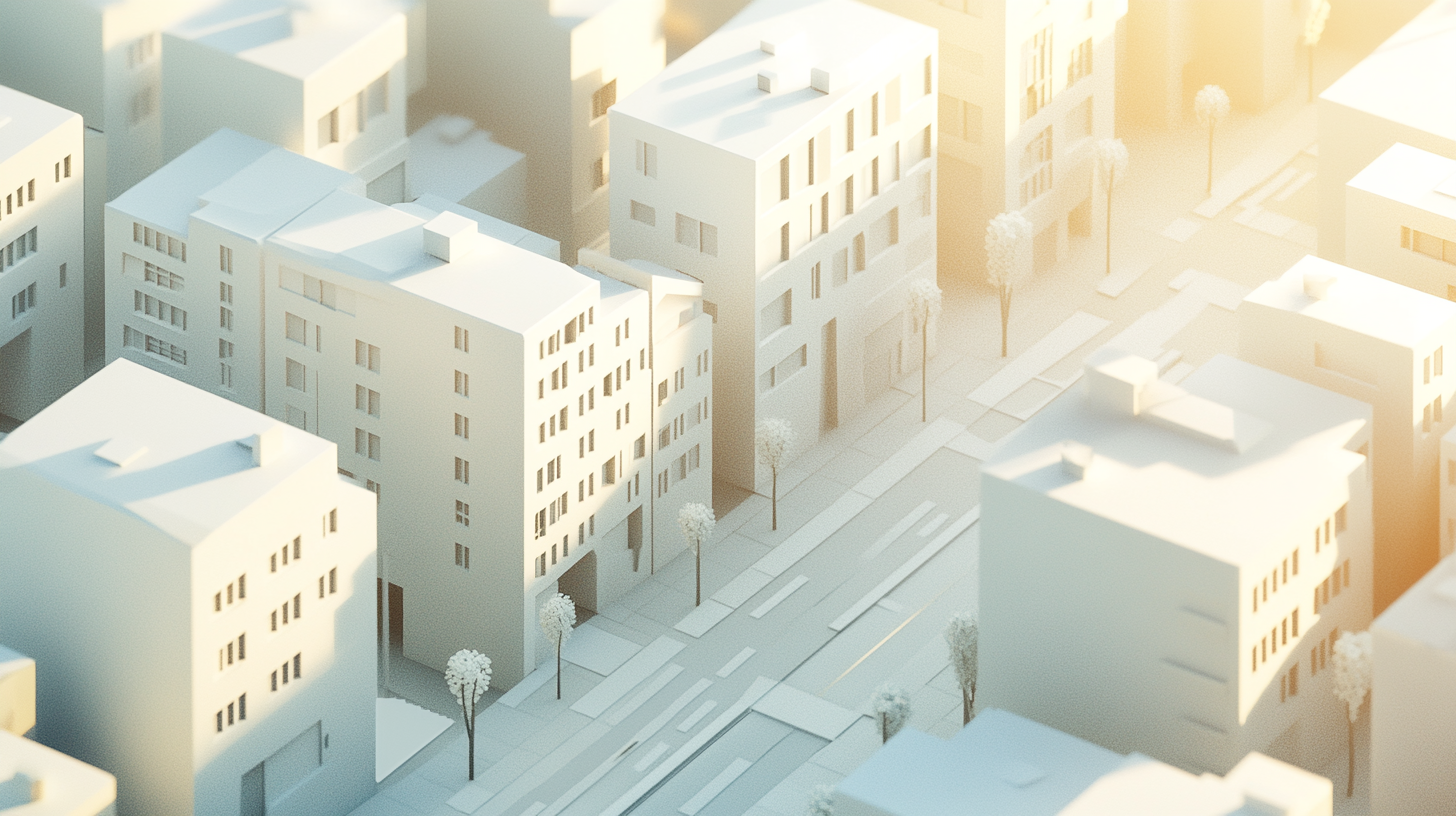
(396, 617)
(580, 583)
(253, 792)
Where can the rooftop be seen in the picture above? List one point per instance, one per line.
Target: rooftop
(1381, 83)
(1362, 303)
(1426, 613)
(297, 38)
(40, 781)
(451, 158)
(169, 196)
(711, 93)
(1413, 177)
(428, 206)
(494, 281)
(24, 119)
(1238, 436)
(158, 449)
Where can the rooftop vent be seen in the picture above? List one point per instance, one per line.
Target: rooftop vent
(768, 81)
(1076, 459)
(121, 452)
(448, 236)
(1318, 284)
(784, 45)
(266, 446)
(1117, 380)
(821, 80)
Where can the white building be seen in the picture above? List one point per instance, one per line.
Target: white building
(193, 578)
(17, 692)
(784, 162)
(540, 75)
(1400, 219)
(1002, 763)
(1413, 713)
(184, 259)
(42, 288)
(1385, 99)
(1148, 578)
(1383, 344)
(450, 158)
(102, 59)
(1025, 90)
(323, 79)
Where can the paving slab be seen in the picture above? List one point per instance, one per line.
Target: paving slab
(703, 618)
(641, 666)
(815, 532)
(909, 457)
(1181, 229)
(903, 571)
(778, 597)
(401, 729)
(596, 650)
(1043, 354)
(805, 711)
(740, 589)
(711, 790)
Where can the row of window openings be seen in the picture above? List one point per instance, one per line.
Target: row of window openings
(678, 470)
(297, 671)
(1338, 579)
(1261, 590)
(680, 425)
(156, 239)
(22, 302)
(19, 197)
(554, 342)
(679, 380)
(24, 245)
(1289, 681)
(1427, 244)
(1270, 643)
(242, 593)
(153, 345)
(368, 103)
(559, 376)
(241, 709)
(1338, 522)
(885, 233)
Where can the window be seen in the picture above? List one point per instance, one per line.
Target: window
(960, 119)
(609, 471)
(639, 448)
(1036, 73)
(1429, 245)
(152, 345)
(63, 276)
(144, 102)
(810, 163)
(295, 374)
(1036, 167)
(462, 339)
(462, 556)
(366, 400)
(928, 76)
(604, 98)
(225, 260)
(849, 131)
(875, 176)
(462, 513)
(374, 99)
(600, 170)
(644, 214)
(784, 179)
(874, 114)
(859, 252)
(333, 523)
(462, 383)
(776, 315)
(333, 580)
(328, 128)
(17, 250)
(297, 666)
(366, 355)
(462, 471)
(784, 242)
(462, 426)
(366, 444)
(1079, 65)
(541, 565)
(646, 159)
(814, 282)
(295, 328)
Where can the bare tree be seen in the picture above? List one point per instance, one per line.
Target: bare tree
(773, 441)
(468, 676)
(1353, 663)
(558, 615)
(1111, 165)
(1211, 105)
(892, 709)
(1008, 259)
(963, 637)
(821, 801)
(1314, 28)
(696, 520)
(924, 305)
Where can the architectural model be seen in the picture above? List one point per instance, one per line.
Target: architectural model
(733, 407)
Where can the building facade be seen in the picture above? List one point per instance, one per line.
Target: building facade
(1122, 601)
(1383, 344)
(42, 280)
(230, 541)
(1400, 219)
(797, 184)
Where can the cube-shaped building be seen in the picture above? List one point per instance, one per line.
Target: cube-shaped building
(1400, 220)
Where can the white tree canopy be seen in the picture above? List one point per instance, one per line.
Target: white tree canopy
(963, 637)
(1314, 22)
(1008, 249)
(468, 675)
(892, 706)
(774, 438)
(924, 295)
(1353, 659)
(821, 801)
(1211, 105)
(558, 616)
(1111, 160)
(696, 521)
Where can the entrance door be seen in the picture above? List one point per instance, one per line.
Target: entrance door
(253, 792)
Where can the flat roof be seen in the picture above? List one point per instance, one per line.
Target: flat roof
(270, 192)
(169, 196)
(451, 158)
(24, 119)
(1426, 613)
(428, 206)
(1172, 484)
(1360, 302)
(497, 282)
(1404, 79)
(292, 38)
(70, 785)
(711, 93)
(1413, 177)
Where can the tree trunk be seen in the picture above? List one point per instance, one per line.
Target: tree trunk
(924, 331)
(775, 498)
(1350, 780)
(1110, 179)
(698, 571)
(965, 707)
(558, 667)
(1210, 157)
(1005, 314)
(884, 729)
(469, 729)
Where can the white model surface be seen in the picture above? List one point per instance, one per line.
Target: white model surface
(1024, 92)
(42, 285)
(1413, 714)
(1386, 98)
(1383, 344)
(39, 781)
(450, 158)
(17, 692)
(540, 75)
(163, 533)
(805, 211)
(1003, 763)
(184, 255)
(323, 79)
(1147, 569)
(1400, 219)
(465, 374)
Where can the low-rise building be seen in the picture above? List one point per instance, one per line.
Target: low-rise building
(194, 579)
(42, 285)
(1164, 569)
(1400, 218)
(1412, 713)
(1383, 344)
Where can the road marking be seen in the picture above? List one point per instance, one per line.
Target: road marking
(732, 665)
(697, 716)
(902, 572)
(635, 702)
(717, 786)
(932, 525)
(898, 530)
(650, 757)
(778, 597)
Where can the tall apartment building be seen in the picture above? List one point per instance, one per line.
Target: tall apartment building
(541, 75)
(101, 59)
(785, 162)
(42, 285)
(1386, 98)
(1400, 220)
(184, 259)
(1412, 713)
(1025, 90)
(1002, 763)
(1383, 344)
(325, 80)
(1165, 568)
(193, 577)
